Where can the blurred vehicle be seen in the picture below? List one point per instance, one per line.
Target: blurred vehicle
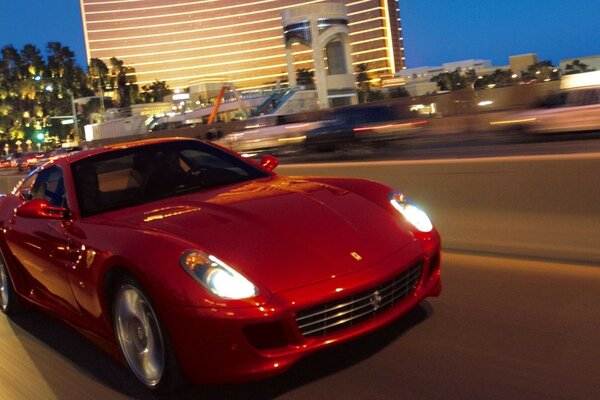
(362, 124)
(29, 160)
(272, 133)
(54, 154)
(180, 257)
(573, 110)
(13, 158)
(5, 162)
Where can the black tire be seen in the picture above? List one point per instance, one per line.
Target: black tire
(142, 339)
(9, 300)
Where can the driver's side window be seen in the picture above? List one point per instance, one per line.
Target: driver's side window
(49, 185)
(25, 189)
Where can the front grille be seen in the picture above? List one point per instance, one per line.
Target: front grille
(323, 319)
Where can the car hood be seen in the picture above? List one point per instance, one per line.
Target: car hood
(279, 232)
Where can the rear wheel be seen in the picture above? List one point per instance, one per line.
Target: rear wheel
(142, 339)
(9, 302)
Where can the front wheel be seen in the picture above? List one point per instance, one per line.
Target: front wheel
(9, 302)
(142, 340)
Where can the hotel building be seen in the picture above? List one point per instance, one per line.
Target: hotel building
(188, 42)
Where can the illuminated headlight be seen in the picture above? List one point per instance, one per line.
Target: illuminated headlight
(412, 213)
(217, 276)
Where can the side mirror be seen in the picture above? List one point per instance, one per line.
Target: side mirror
(26, 194)
(269, 162)
(40, 208)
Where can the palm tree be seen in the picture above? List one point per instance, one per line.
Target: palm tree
(32, 63)
(61, 60)
(11, 104)
(156, 91)
(362, 80)
(123, 80)
(11, 62)
(97, 76)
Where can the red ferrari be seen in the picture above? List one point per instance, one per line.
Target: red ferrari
(190, 263)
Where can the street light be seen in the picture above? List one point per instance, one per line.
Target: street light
(49, 88)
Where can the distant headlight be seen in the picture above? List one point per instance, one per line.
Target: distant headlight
(412, 213)
(217, 276)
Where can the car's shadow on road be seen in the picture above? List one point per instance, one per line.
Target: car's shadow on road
(98, 366)
(313, 367)
(76, 349)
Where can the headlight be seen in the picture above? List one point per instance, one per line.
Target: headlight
(412, 213)
(217, 276)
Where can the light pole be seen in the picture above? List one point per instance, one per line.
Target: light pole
(74, 112)
(49, 88)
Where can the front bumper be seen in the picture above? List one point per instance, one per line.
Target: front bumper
(226, 345)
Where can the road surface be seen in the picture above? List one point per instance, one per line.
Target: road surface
(502, 328)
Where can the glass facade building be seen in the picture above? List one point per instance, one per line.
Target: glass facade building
(187, 42)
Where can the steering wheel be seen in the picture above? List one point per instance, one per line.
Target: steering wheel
(196, 175)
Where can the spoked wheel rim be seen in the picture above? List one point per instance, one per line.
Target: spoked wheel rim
(139, 335)
(4, 285)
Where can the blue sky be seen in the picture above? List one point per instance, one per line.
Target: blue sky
(438, 31)
(435, 31)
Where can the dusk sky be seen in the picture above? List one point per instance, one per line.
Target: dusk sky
(435, 31)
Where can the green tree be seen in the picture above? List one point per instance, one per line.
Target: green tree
(32, 62)
(577, 67)
(498, 78)
(453, 80)
(540, 71)
(374, 95)
(11, 104)
(363, 82)
(98, 72)
(35, 88)
(123, 81)
(398, 92)
(11, 63)
(97, 78)
(61, 61)
(63, 80)
(155, 92)
(97, 75)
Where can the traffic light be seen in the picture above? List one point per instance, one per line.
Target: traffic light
(39, 136)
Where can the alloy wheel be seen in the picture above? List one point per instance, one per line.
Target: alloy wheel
(139, 335)
(4, 286)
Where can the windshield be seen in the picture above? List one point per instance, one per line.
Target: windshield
(141, 174)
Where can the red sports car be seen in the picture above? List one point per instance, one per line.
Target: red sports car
(191, 263)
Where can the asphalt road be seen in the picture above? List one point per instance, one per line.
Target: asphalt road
(502, 329)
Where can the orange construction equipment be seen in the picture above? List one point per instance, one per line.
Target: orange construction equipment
(213, 115)
(215, 111)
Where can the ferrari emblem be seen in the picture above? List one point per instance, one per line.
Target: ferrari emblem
(356, 256)
(375, 300)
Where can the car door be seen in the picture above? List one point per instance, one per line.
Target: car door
(42, 245)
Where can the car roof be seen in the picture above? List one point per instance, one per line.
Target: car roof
(72, 157)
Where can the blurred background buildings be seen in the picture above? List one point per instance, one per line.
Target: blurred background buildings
(192, 43)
